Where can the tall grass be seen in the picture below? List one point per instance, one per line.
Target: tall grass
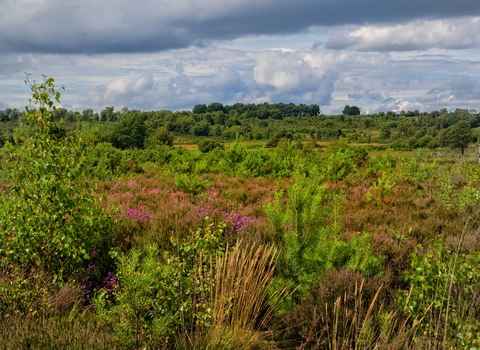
(355, 322)
(241, 308)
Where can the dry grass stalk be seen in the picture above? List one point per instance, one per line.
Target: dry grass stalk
(242, 279)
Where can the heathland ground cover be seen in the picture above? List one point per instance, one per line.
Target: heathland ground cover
(304, 239)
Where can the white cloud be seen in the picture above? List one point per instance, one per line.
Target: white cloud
(179, 79)
(122, 91)
(397, 106)
(458, 33)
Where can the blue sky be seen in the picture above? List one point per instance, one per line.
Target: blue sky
(163, 54)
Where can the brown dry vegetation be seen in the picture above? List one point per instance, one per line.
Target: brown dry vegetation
(344, 309)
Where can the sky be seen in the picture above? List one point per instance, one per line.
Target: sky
(173, 54)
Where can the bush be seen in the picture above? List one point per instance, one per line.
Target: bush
(208, 145)
(162, 295)
(160, 136)
(51, 218)
(443, 298)
(309, 243)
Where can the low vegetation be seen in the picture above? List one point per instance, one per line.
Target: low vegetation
(343, 232)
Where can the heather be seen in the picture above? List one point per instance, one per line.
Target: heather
(293, 245)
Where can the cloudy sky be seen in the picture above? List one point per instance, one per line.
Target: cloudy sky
(172, 54)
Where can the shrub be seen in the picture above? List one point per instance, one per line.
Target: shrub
(443, 297)
(340, 161)
(309, 244)
(160, 136)
(51, 218)
(208, 145)
(162, 295)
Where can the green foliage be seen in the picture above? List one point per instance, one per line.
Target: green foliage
(139, 313)
(351, 110)
(234, 155)
(385, 132)
(129, 131)
(6, 132)
(161, 295)
(286, 158)
(191, 183)
(51, 218)
(339, 162)
(102, 161)
(108, 114)
(90, 134)
(386, 162)
(275, 139)
(24, 292)
(382, 189)
(464, 196)
(201, 129)
(208, 145)
(308, 230)
(442, 295)
(160, 136)
(258, 163)
(457, 136)
(215, 107)
(199, 109)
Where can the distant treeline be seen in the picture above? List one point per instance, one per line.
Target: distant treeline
(9, 114)
(239, 110)
(130, 128)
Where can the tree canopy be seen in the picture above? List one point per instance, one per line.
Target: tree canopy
(129, 130)
(351, 110)
(457, 136)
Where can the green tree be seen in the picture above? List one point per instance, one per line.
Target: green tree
(88, 115)
(407, 128)
(108, 115)
(309, 244)
(215, 106)
(313, 110)
(457, 136)
(160, 136)
(385, 132)
(201, 129)
(199, 109)
(129, 130)
(351, 110)
(51, 219)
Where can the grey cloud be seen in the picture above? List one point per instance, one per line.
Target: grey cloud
(227, 81)
(318, 45)
(179, 68)
(460, 89)
(171, 92)
(272, 76)
(121, 26)
(180, 79)
(433, 56)
(369, 95)
(458, 33)
(295, 75)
